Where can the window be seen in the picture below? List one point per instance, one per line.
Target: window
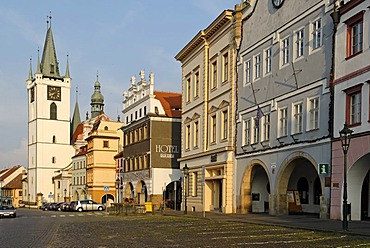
(188, 88)
(213, 128)
(214, 75)
(58, 184)
(268, 60)
(313, 113)
(248, 72)
(187, 139)
(224, 124)
(194, 183)
(355, 34)
(144, 110)
(299, 43)
(225, 67)
(139, 112)
(266, 127)
(196, 134)
(53, 111)
(53, 160)
(105, 143)
(303, 188)
(297, 118)
(353, 105)
(316, 34)
(257, 66)
(54, 139)
(196, 84)
(106, 128)
(283, 121)
(285, 51)
(247, 132)
(256, 132)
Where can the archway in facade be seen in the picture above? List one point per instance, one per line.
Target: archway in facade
(255, 188)
(129, 192)
(142, 194)
(107, 199)
(358, 188)
(172, 195)
(76, 196)
(298, 186)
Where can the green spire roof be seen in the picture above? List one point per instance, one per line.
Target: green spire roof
(67, 69)
(30, 75)
(49, 62)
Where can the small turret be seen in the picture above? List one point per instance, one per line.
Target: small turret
(97, 100)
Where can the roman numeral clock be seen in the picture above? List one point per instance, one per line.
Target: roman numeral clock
(277, 3)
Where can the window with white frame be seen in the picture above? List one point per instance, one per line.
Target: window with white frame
(188, 88)
(213, 128)
(214, 74)
(187, 137)
(248, 71)
(196, 134)
(247, 132)
(299, 43)
(283, 122)
(256, 130)
(266, 127)
(225, 124)
(316, 34)
(313, 106)
(257, 66)
(196, 84)
(285, 47)
(297, 117)
(268, 60)
(225, 67)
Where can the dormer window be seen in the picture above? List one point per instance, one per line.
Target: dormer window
(51, 68)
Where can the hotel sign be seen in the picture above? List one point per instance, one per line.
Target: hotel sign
(167, 151)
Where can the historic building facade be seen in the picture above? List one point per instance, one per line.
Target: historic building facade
(208, 127)
(147, 168)
(49, 132)
(351, 95)
(283, 99)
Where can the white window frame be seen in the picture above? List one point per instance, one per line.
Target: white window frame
(214, 73)
(255, 130)
(196, 133)
(188, 88)
(283, 122)
(297, 117)
(316, 34)
(196, 83)
(225, 67)
(246, 132)
(247, 72)
(355, 107)
(299, 43)
(285, 51)
(225, 124)
(257, 59)
(266, 127)
(313, 113)
(213, 128)
(187, 137)
(268, 60)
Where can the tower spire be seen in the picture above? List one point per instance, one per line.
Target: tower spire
(30, 74)
(49, 61)
(67, 69)
(38, 70)
(76, 119)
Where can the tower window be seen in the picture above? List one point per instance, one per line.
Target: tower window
(54, 139)
(53, 160)
(53, 111)
(106, 128)
(105, 144)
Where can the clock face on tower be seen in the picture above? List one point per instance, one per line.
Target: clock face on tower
(54, 93)
(277, 3)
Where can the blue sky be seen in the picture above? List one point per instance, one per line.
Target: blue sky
(115, 38)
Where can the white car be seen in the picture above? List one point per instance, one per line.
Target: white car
(87, 205)
(8, 211)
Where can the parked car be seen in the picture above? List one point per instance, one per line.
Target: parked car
(45, 206)
(7, 211)
(87, 205)
(65, 206)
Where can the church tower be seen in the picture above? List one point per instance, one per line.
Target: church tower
(97, 100)
(49, 148)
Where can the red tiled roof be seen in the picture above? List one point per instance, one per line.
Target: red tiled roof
(9, 172)
(16, 183)
(79, 130)
(171, 103)
(82, 151)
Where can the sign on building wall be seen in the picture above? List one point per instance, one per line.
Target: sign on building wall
(323, 168)
(167, 151)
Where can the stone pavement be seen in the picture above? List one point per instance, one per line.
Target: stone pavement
(307, 222)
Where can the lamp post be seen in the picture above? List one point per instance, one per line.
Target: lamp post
(117, 188)
(186, 173)
(345, 138)
(65, 195)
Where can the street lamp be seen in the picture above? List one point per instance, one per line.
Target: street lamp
(65, 194)
(186, 173)
(345, 138)
(117, 188)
